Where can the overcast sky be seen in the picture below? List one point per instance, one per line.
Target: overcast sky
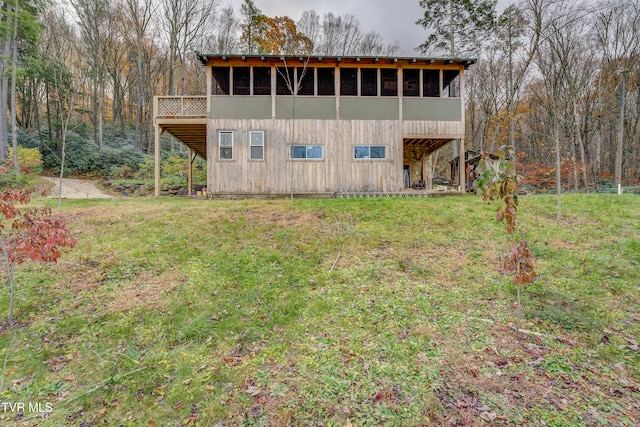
(393, 19)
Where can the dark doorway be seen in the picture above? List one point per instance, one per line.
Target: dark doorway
(407, 176)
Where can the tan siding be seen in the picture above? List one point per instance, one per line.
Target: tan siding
(337, 171)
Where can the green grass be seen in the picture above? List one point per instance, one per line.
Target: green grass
(184, 311)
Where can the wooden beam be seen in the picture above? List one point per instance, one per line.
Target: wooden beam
(463, 167)
(189, 171)
(158, 133)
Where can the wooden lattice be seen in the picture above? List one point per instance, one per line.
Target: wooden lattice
(182, 106)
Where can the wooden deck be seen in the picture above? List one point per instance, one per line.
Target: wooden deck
(185, 118)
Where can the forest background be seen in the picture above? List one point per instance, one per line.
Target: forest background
(550, 79)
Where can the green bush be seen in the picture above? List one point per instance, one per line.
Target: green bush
(109, 158)
(81, 156)
(13, 180)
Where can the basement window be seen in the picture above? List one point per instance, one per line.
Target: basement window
(370, 152)
(241, 81)
(306, 152)
(348, 82)
(411, 82)
(220, 81)
(256, 144)
(261, 80)
(431, 83)
(225, 139)
(326, 81)
(451, 84)
(368, 82)
(389, 81)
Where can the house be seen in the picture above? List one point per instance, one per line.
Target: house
(318, 125)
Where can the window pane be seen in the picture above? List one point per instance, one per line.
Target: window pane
(451, 83)
(226, 138)
(261, 81)
(226, 145)
(369, 82)
(389, 81)
(306, 85)
(241, 82)
(431, 84)
(377, 152)
(314, 152)
(284, 78)
(299, 152)
(361, 152)
(326, 82)
(257, 153)
(411, 82)
(220, 83)
(226, 153)
(348, 81)
(257, 138)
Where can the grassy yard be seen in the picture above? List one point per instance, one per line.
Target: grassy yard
(328, 312)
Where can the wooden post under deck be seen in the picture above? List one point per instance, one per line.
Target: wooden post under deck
(463, 167)
(189, 171)
(158, 132)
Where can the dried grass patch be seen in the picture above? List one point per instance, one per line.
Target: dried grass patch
(147, 290)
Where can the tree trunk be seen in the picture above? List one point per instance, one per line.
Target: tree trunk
(556, 140)
(14, 76)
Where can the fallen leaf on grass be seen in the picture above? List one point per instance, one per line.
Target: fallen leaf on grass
(562, 404)
(488, 416)
(253, 390)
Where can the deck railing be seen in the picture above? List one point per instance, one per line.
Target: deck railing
(180, 106)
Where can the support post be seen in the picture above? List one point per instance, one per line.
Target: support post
(189, 171)
(463, 167)
(158, 133)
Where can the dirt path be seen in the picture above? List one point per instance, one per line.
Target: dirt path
(76, 189)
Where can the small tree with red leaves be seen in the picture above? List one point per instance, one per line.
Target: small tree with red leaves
(28, 234)
(497, 180)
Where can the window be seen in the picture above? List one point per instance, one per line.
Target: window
(225, 139)
(306, 152)
(241, 81)
(389, 81)
(261, 80)
(256, 145)
(451, 83)
(348, 82)
(411, 82)
(431, 83)
(326, 81)
(369, 82)
(284, 78)
(220, 82)
(306, 81)
(370, 152)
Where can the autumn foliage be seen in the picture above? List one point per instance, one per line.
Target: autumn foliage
(31, 234)
(497, 180)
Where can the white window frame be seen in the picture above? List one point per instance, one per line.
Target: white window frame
(307, 147)
(368, 157)
(251, 144)
(220, 146)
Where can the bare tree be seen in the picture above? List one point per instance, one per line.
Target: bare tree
(140, 14)
(183, 22)
(94, 21)
(225, 39)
